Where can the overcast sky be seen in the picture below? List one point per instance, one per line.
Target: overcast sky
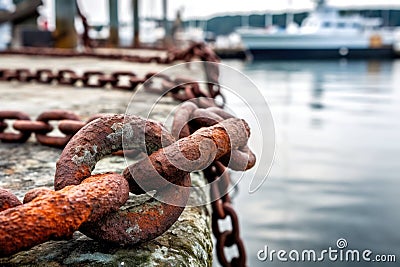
(96, 10)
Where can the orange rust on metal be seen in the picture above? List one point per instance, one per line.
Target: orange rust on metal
(102, 137)
(145, 222)
(8, 200)
(217, 141)
(36, 192)
(189, 117)
(180, 127)
(240, 159)
(44, 217)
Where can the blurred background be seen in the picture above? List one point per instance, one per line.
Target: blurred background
(330, 74)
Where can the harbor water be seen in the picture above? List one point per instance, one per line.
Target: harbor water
(336, 169)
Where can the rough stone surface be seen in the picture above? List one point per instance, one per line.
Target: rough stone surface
(26, 166)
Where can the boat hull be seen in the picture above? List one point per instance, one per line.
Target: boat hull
(352, 53)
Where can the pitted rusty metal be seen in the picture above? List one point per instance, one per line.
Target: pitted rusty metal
(189, 117)
(191, 153)
(57, 214)
(103, 136)
(8, 200)
(144, 222)
(100, 138)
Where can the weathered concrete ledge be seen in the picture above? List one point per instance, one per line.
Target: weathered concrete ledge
(25, 166)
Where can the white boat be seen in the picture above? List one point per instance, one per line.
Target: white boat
(324, 33)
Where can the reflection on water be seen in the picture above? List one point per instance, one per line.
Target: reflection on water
(336, 171)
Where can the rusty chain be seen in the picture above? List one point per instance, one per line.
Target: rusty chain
(69, 124)
(188, 118)
(180, 88)
(72, 206)
(110, 190)
(195, 50)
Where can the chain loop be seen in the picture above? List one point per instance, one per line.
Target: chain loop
(188, 118)
(13, 137)
(45, 76)
(55, 141)
(93, 79)
(67, 77)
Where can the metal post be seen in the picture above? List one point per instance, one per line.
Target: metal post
(164, 12)
(135, 7)
(65, 34)
(114, 23)
(167, 36)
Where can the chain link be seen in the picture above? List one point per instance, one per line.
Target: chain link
(188, 118)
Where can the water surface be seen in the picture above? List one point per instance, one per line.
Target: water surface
(336, 170)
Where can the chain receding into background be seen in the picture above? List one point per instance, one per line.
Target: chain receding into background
(188, 118)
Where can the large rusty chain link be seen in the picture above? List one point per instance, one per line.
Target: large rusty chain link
(187, 119)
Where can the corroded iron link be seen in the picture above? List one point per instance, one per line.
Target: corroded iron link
(8, 200)
(45, 76)
(187, 119)
(57, 214)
